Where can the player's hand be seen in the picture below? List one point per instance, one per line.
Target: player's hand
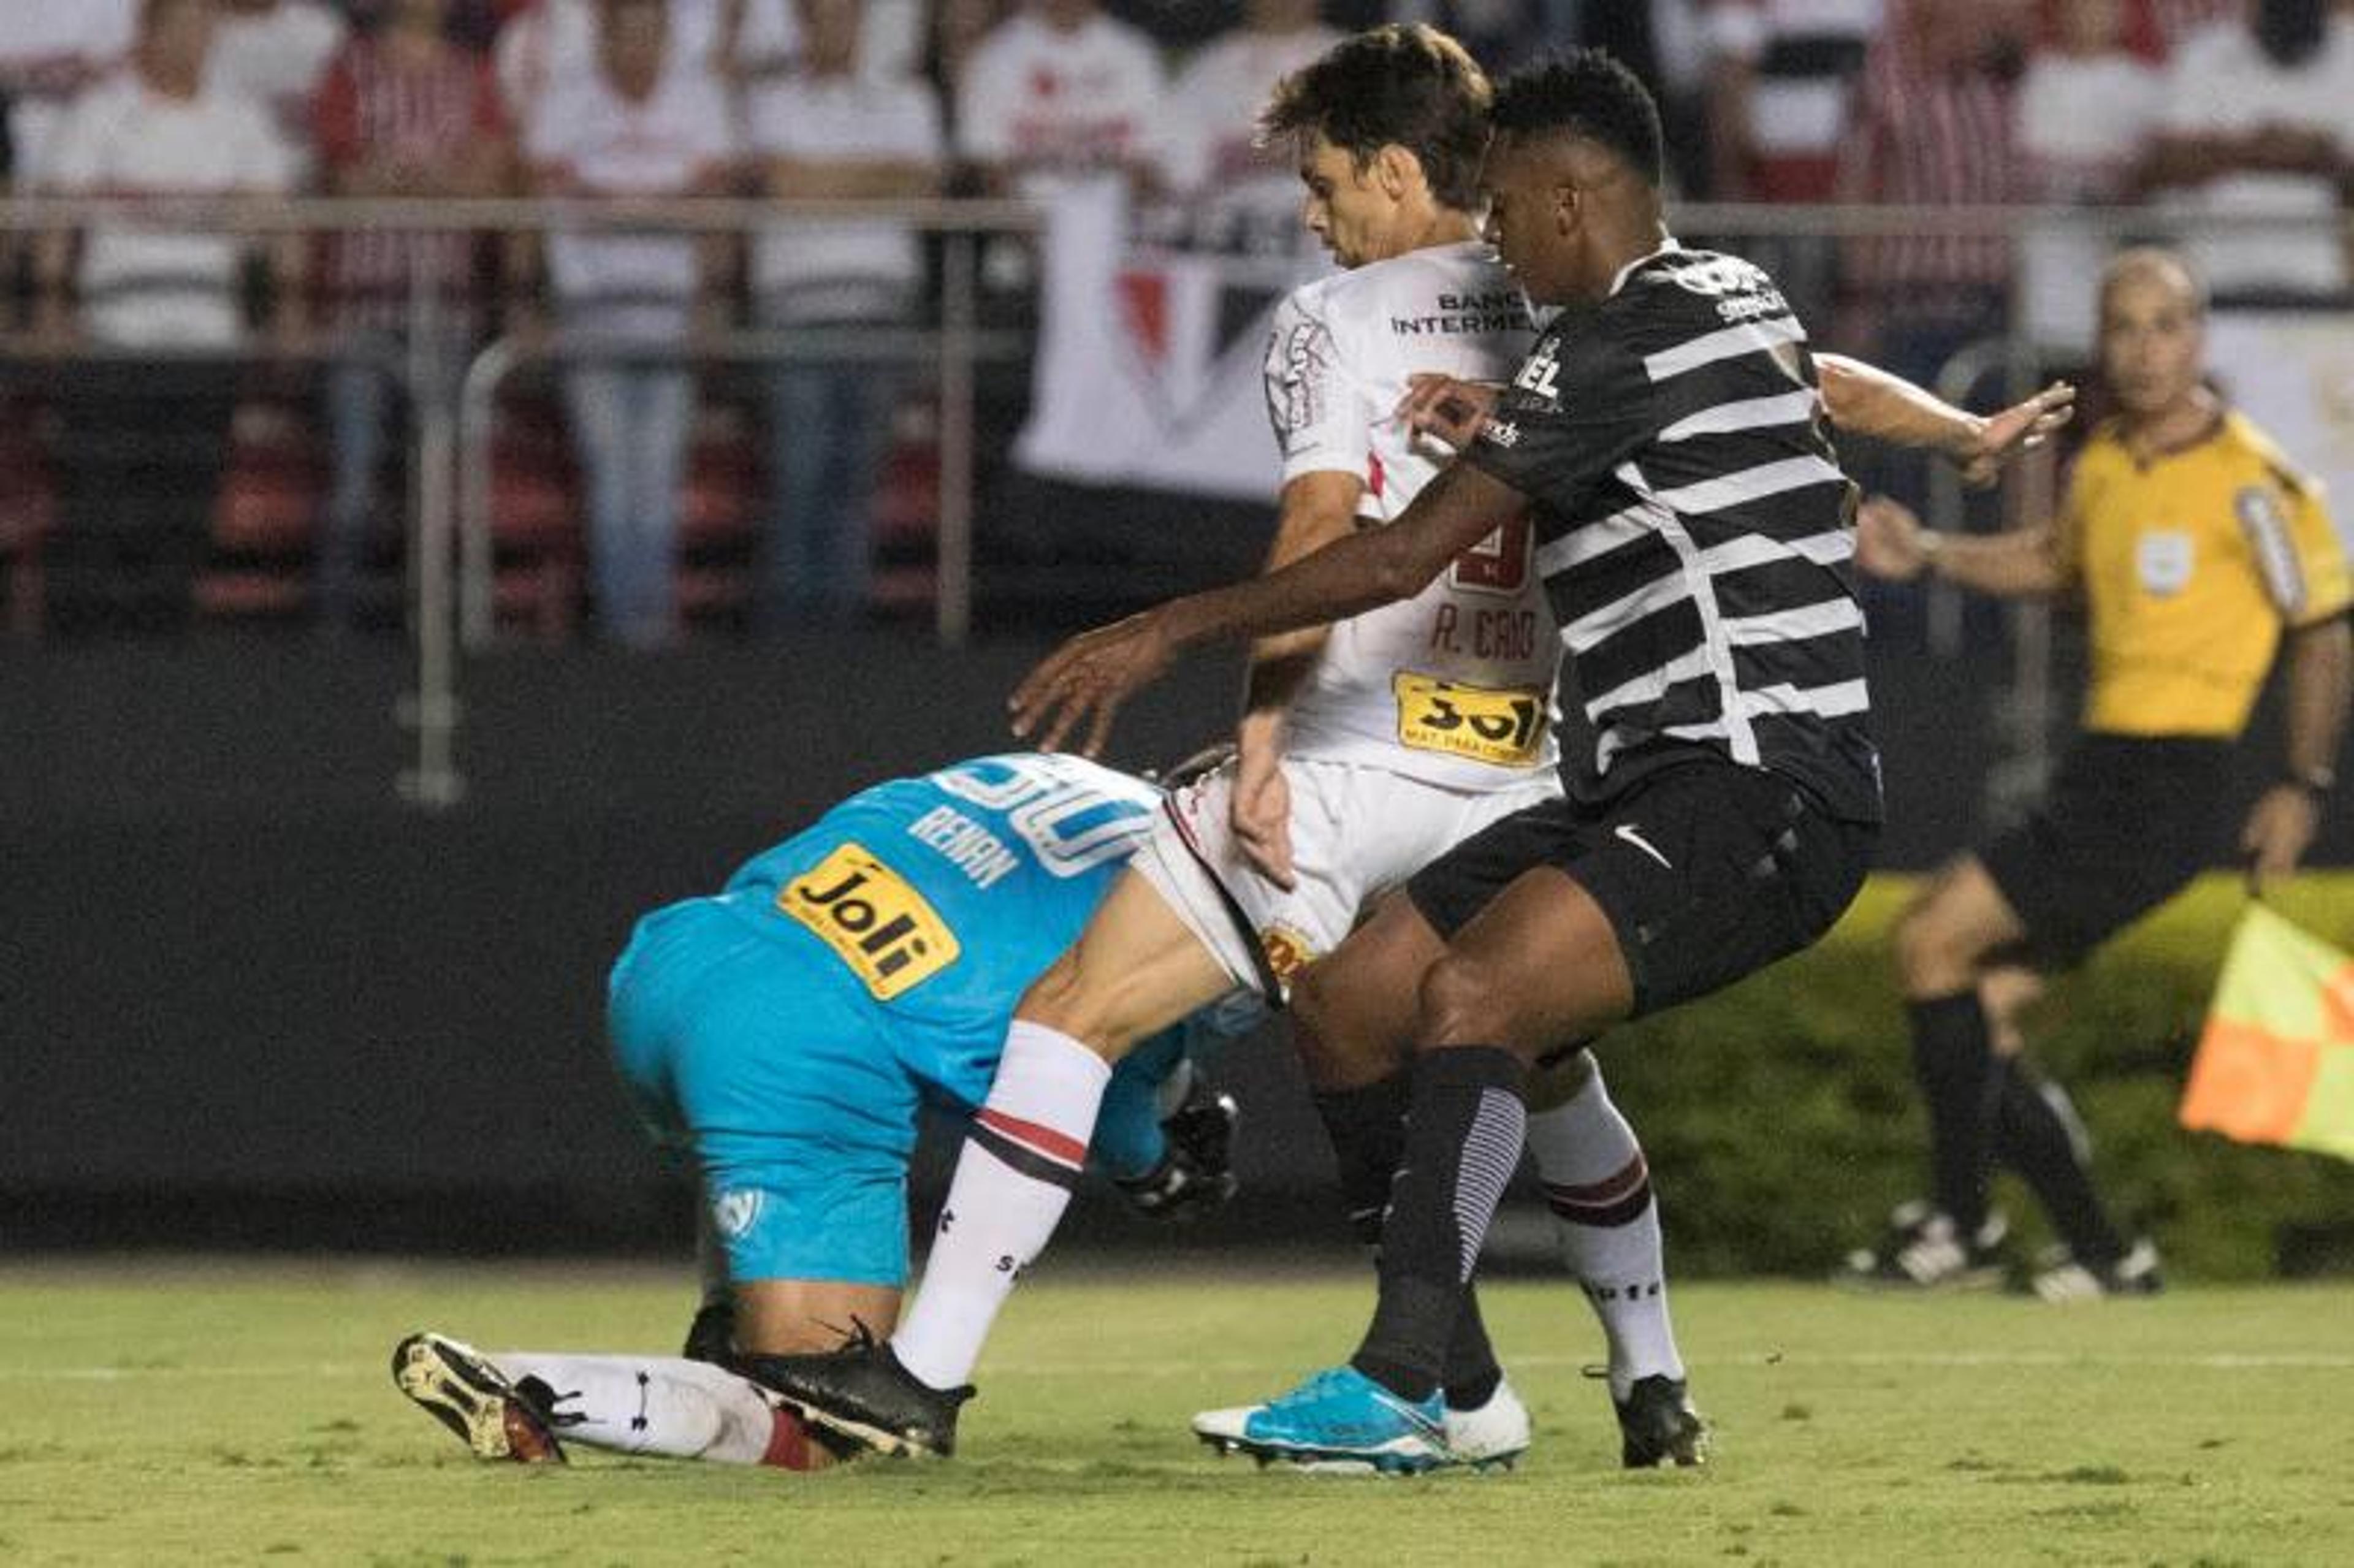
(1196, 1176)
(1444, 406)
(2021, 427)
(1259, 811)
(2280, 829)
(1086, 680)
(1888, 540)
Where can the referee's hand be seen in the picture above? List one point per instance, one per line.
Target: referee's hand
(2280, 829)
(1086, 681)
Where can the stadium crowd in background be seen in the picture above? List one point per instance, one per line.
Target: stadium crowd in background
(2244, 107)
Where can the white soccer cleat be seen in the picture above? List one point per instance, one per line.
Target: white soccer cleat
(1493, 1436)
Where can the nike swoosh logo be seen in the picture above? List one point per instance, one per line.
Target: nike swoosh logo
(1628, 831)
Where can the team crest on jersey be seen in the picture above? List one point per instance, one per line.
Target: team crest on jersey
(735, 1211)
(1287, 951)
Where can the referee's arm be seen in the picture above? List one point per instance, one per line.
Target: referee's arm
(2023, 563)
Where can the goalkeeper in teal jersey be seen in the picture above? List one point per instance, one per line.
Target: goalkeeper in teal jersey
(786, 1034)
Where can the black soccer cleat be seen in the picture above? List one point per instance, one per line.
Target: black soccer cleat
(861, 1393)
(1657, 1425)
(455, 1385)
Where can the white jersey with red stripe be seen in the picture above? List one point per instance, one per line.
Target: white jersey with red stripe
(1453, 686)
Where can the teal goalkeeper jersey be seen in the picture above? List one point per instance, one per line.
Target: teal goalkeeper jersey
(939, 899)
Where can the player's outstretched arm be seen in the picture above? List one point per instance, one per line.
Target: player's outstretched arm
(1086, 680)
(1870, 401)
(1890, 542)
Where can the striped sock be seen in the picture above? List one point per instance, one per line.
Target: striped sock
(1020, 1159)
(1599, 1188)
(1462, 1141)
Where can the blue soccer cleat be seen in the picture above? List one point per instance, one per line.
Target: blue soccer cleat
(1339, 1419)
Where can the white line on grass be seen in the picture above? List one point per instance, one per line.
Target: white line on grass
(2221, 1361)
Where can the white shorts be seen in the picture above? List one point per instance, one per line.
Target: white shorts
(1356, 833)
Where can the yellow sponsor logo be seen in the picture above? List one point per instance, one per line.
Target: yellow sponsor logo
(1504, 727)
(891, 939)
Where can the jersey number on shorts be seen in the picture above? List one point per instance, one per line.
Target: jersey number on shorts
(1484, 725)
(891, 939)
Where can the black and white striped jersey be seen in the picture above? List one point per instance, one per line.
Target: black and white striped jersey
(1694, 532)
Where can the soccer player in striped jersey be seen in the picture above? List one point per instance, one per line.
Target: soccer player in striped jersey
(1115, 978)
(1665, 438)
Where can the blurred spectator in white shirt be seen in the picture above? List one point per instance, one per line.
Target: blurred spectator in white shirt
(1245, 196)
(2258, 122)
(275, 52)
(835, 131)
(631, 127)
(1060, 91)
(49, 51)
(159, 128)
(142, 445)
(1781, 103)
(2083, 119)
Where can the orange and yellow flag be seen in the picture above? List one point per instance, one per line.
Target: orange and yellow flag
(2276, 1061)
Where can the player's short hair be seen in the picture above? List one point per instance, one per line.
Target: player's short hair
(2154, 261)
(1588, 93)
(1406, 85)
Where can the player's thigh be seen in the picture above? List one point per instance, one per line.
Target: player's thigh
(1136, 969)
(1956, 922)
(1540, 964)
(789, 1317)
(1355, 1015)
(792, 1211)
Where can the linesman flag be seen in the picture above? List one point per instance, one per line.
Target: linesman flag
(2276, 1061)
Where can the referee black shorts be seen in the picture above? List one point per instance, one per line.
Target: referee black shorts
(1708, 872)
(2128, 823)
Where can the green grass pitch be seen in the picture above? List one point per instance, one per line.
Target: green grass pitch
(239, 1412)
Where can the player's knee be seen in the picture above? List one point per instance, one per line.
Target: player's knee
(1931, 960)
(1461, 1005)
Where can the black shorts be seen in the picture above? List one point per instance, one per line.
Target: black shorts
(1708, 872)
(2128, 823)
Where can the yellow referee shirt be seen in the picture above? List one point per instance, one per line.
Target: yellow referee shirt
(2189, 565)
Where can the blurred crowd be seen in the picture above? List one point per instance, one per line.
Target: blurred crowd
(2241, 108)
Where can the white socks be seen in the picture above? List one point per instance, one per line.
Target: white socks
(1023, 1156)
(662, 1405)
(1600, 1192)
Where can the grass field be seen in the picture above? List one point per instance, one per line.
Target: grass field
(235, 1413)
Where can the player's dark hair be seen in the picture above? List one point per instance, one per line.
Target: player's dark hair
(1404, 85)
(1589, 94)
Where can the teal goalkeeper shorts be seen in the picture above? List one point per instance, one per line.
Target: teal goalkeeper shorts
(765, 1064)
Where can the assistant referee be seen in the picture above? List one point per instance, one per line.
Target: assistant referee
(2200, 554)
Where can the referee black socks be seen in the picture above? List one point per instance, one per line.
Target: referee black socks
(1953, 1057)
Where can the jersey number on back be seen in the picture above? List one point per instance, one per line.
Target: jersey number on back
(1070, 822)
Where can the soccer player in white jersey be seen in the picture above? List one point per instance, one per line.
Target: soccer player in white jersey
(1368, 748)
